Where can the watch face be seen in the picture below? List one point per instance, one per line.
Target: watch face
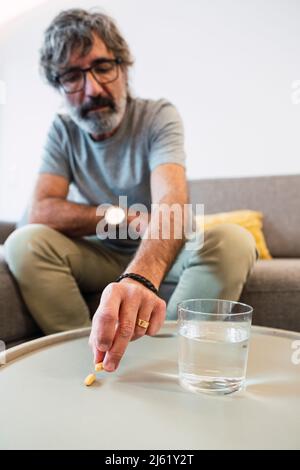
(114, 215)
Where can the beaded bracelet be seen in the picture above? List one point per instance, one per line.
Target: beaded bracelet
(139, 278)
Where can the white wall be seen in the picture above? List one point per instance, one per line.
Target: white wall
(228, 66)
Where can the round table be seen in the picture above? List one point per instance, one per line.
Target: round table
(44, 404)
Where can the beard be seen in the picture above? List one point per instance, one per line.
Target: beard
(98, 121)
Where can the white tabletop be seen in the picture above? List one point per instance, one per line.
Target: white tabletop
(44, 404)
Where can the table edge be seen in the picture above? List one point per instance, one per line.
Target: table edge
(20, 350)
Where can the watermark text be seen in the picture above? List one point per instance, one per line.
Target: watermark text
(296, 354)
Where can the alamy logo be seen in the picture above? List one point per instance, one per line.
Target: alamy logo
(2, 353)
(163, 221)
(296, 354)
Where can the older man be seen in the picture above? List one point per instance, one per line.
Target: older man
(110, 144)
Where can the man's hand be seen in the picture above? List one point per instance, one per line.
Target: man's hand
(115, 321)
(123, 303)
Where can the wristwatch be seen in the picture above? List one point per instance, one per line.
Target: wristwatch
(114, 215)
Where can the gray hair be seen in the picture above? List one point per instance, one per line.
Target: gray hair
(73, 30)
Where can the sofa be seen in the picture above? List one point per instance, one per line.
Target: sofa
(273, 288)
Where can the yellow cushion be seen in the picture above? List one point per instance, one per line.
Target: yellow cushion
(251, 220)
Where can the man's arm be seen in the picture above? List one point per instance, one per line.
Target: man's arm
(155, 256)
(50, 207)
(114, 323)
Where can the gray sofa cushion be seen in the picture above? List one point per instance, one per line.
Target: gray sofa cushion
(6, 228)
(16, 323)
(280, 275)
(277, 197)
(274, 290)
(269, 310)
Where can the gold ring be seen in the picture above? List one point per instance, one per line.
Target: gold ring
(143, 323)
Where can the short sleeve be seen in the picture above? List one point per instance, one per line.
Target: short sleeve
(55, 156)
(166, 136)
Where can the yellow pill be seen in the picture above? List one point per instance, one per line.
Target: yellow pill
(90, 379)
(99, 366)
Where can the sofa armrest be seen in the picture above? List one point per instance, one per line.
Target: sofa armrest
(6, 228)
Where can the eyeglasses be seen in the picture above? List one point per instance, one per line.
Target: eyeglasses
(103, 70)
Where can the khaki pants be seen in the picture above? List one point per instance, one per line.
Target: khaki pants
(53, 271)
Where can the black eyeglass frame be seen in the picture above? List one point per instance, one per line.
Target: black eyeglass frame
(117, 61)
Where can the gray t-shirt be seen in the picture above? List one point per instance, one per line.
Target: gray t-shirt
(150, 134)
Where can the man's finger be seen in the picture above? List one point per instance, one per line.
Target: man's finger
(124, 333)
(157, 318)
(144, 313)
(106, 318)
(98, 355)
